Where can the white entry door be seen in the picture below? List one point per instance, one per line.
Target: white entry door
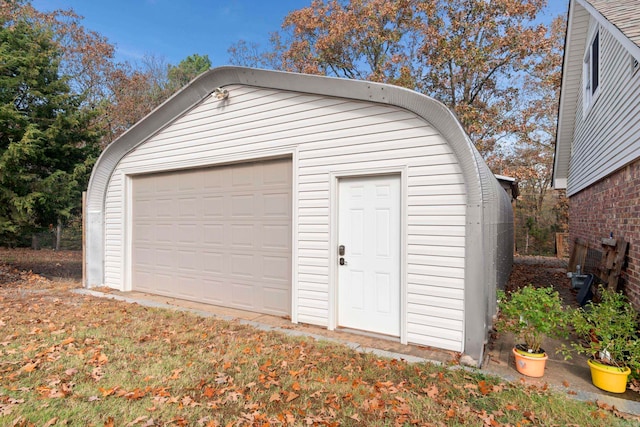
(369, 272)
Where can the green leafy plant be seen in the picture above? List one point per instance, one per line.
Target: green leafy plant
(531, 314)
(607, 331)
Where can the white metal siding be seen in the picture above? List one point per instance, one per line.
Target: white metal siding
(608, 137)
(329, 136)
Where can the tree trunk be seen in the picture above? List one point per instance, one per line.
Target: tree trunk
(58, 234)
(35, 242)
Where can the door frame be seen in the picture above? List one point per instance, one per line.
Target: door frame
(334, 178)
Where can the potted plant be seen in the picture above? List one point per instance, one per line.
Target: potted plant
(531, 314)
(607, 332)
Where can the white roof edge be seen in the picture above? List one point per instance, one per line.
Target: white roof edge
(560, 164)
(504, 178)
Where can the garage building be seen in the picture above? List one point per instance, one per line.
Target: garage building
(340, 203)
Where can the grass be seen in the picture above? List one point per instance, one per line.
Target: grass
(67, 359)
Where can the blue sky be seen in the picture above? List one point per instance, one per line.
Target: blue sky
(175, 29)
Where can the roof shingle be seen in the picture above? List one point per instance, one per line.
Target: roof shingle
(624, 14)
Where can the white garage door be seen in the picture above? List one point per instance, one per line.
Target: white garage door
(219, 235)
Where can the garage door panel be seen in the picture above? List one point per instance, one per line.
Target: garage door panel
(187, 286)
(144, 257)
(243, 175)
(145, 208)
(276, 236)
(164, 259)
(220, 235)
(188, 207)
(213, 262)
(275, 205)
(245, 265)
(164, 233)
(188, 233)
(275, 299)
(243, 205)
(242, 296)
(213, 207)
(273, 173)
(165, 208)
(243, 236)
(145, 233)
(190, 180)
(215, 292)
(188, 260)
(276, 269)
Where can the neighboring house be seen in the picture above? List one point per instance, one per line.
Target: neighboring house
(597, 155)
(339, 203)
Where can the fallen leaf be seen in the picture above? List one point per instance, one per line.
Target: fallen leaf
(432, 391)
(97, 373)
(108, 392)
(175, 374)
(109, 422)
(67, 341)
(138, 420)
(485, 388)
(292, 396)
(51, 422)
(275, 397)
(29, 367)
(209, 391)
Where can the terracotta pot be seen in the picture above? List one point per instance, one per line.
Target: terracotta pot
(609, 378)
(531, 366)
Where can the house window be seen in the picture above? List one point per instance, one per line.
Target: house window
(591, 70)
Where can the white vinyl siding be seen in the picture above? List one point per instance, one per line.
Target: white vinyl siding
(608, 137)
(327, 137)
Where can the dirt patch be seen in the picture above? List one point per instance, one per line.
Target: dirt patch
(542, 272)
(48, 263)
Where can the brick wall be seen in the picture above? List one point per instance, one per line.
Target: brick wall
(612, 205)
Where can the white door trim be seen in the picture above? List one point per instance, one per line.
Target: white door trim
(334, 178)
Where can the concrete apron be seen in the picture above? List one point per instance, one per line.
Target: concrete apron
(571, 377)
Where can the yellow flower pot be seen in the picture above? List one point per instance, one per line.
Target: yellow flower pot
(531, 366)
(609, 378)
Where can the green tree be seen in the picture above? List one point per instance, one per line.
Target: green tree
(47, 146)
(188, 69)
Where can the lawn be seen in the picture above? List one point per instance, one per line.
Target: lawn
(67, 359)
